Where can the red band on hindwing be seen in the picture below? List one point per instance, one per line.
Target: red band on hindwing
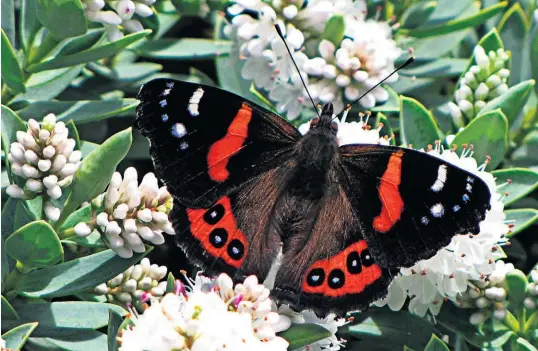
(221, 151)
(352, 269)
(391, 200)
(219, 234)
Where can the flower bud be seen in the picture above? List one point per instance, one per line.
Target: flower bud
(49, 151)
(145, 283)
(481, 91)
(158, 238)
(58, 163)
(55, 192)
(44, 135)
(52, 212)
(44, 165)
(31, 157)
(477, 318)
(493, 81)
(15, 191)
(102, 289)
(113, 228)
(115, 241)
(529, 303)
(130, 225)
(146, 233)
(130, 286)
(500, 314)
(479, 104)
(34, 185)
(50, 181)
(121, 211)
(82, 229)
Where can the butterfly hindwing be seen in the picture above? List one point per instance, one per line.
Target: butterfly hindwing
(410, 204)
(329, 268)
(206, 142)
(233, 235)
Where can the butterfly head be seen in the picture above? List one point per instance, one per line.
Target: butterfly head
(325, 121)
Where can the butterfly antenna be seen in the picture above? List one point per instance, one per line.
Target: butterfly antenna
(277, 27)
(407, 63)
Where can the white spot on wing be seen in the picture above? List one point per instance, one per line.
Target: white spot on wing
(441, 179)
(424, 220)
(194, 101)
(184, 145)
(437, 210)
(170, 85)
(166, 92)
(164, 118)
(469, 188)
(163, 103)
(179, 130)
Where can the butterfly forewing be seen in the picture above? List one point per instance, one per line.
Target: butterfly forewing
(410, 204)
(206, 142)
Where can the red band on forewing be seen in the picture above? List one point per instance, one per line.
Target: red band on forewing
(391, 200)
(354, 283)
(200, 229)
(221, 151)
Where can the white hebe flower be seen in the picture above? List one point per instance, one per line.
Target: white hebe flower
(123, 13)
(44, 157)
(464, 264)
(136, 285)
(208, 315)
(481, 83)
(358, 132)
(334, 73)
(130, 213)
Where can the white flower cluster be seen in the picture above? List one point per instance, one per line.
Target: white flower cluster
(483, 82)
(136, 285)
(358, 132)
(221, 318)
(468, 259)
(123, 13)
(45, 158)
(491, 298)
(128, 213)
(334, 73)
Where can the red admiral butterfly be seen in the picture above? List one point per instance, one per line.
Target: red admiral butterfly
(246, 183)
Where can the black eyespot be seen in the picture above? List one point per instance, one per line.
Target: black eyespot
(366, 258)
(236, 249)
(314, 122)
(354, 265)
(334, 126)
(214, 214)
(218, 237)
(337, 279)
(315, 277)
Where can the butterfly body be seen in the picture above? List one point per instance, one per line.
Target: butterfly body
(247, 185)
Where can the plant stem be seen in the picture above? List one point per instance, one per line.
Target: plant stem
(11, 281)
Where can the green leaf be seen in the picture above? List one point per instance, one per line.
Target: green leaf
(11, 123)
(81, 341)
(386, 129)
(512, 27)
(35, 245)
(417, 126)
(334, 29)
(299, 335)
(447, 10)
(188, 7)
(511, 102)
(86, 147)
(83, 214)
(417, 14)
(16, 337)
(8, 218)
(387, 329)
(90, 55)
(531, 322)
(79, 111)
(443, 67)
(489, 135)
(516, 286)
(11, 70)
(115, 320)
(456, 24)
(522, 218)
(93, 240)
(491, 42)
(8, 19)
(433, 48)
(525, 345)
(29, 24)
(170, 283)
(533, 52)
(261, 100)
(63, 18)
(436, 344)
(184, 49)
(73, 45)
(511, 321)
(391, 105)
(96, 171)
(8, 312)
(523, 182)
(61, 318)
(75, 276)
(48, 85)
